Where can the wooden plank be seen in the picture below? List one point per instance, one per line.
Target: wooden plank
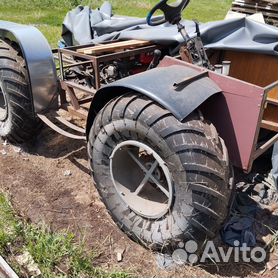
(265, 146)
(269, 9)
(273, 93)
(252, 11)
(267, 4)
(272, 101)
(113, 46)
(256, 8)
(262, 2)
(270, 117)
(258, 69)
(269, 125)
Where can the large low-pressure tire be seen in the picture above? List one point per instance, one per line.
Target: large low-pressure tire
(18, 122)
(163, 182)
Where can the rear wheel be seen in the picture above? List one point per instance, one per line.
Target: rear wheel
(163, 181)
(18, 122)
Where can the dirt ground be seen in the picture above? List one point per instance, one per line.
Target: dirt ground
(40, 191)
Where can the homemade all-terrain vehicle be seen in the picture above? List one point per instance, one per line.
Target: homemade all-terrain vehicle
(163, 133)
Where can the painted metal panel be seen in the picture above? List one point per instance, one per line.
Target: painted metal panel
(176, 88)
(236, 113)
(159, 84)
(39, 60)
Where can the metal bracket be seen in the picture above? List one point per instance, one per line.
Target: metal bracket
(60, 130)
(72, 96)
(191, 79)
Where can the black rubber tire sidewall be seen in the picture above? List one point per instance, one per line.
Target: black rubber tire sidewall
(183, 221)
(21, 125)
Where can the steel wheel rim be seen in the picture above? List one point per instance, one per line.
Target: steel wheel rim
(3, 105)
(142, 179)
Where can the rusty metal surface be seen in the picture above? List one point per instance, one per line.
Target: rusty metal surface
(96, 60)
(87, 90)
(70, 91)
(236, 113)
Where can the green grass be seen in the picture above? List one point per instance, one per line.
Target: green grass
(48, 15)
(8, 225)
(56, 254)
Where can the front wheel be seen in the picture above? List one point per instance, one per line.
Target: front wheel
(163, 181)
(18, 122)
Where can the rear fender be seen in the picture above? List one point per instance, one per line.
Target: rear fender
(159, 85)
(39, 62)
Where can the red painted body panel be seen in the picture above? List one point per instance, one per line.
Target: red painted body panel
(236, 113)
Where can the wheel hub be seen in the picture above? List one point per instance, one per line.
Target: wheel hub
(3, 105)
(141, 178)
(156, 172)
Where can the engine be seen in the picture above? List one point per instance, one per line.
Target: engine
(108, 72)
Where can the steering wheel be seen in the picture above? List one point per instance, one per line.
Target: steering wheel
(172, 12)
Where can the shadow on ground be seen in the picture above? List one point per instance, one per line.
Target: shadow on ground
(40, 191)
(50, 144)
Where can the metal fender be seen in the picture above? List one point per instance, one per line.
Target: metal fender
(180, 89)
(39, 61)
